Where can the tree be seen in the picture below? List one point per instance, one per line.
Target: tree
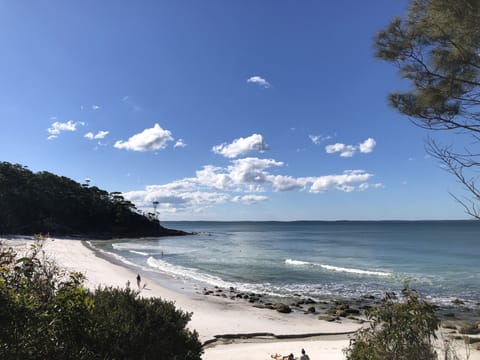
(399, 330)
(46, 203)
(437, 50)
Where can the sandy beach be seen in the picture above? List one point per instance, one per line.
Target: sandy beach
(215, 316)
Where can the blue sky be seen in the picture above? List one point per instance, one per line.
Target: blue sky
(219, 110)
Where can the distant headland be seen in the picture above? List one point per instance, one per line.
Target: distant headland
(46, 203)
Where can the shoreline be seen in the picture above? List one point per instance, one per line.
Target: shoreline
(217, 320)
(229, 329)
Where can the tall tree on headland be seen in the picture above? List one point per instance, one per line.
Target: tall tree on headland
(437, 49)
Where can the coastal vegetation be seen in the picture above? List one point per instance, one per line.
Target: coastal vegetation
(43, 202)
(399, 330)
(47, 313)
(436, 49)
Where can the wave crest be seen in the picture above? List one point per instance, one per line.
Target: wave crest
(336, 268)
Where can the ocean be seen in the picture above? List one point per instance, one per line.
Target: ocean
(317, 259)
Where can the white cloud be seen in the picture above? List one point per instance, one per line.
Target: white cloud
(100, 135)
(367, 146)
(349, 150)
(241, 146)
(210, 176)
(344, 150)
(180, 143)
(247, 173)
(249, 199)
(287, 183)
(258, 80)
(241, 182)
(175, 198)
(150, 139)
(317, 139)
(95, 107)
(58, 127)
(366, 186)
(251, 171)
(344, 182)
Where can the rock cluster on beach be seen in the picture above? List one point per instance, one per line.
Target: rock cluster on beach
(461, 321)
(328, 310)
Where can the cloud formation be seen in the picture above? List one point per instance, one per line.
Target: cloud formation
(151, 139)
(349, 150)
(259, 81)
(241, 146)
(243, 181)
(249, 199)
(344, 150)
(318, 139)
(367, 146)
(176, 196)
(58, 127)
(180, 143)
(100, 135)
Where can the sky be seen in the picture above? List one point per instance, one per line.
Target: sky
(218, 109)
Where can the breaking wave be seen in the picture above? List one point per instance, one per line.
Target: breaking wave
(337, 268)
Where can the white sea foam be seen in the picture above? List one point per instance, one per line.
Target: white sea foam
(120, 258)
(139, 252)
(152, 248)
(336, 268)
(134, 246)
(185, 273)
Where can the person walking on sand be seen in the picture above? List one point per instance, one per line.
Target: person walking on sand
(304, 356)
(139, 279)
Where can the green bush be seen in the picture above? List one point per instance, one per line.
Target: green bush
(46, 313)
(399, 330)
(126, 327)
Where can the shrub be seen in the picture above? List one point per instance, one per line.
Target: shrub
(399, 330)
(126, 326)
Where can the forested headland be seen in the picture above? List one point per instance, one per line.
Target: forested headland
(42, 202)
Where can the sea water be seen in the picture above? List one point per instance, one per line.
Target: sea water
(317, 259)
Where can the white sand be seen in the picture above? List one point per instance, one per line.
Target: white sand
(214, 316)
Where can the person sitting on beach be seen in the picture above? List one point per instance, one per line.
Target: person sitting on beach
(304, 356)
(281, 357)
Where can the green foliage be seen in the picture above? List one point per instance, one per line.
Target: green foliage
(436, 47)
(399, 330)
(46, 203)
(127, 326)
(46, 313)
(43, 310)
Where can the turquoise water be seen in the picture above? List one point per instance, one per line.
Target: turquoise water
(317, 259)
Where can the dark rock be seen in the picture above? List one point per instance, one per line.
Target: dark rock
(327, 317)
(311, 310)
(469, 329)
(458, 302)
(352, 311)
(283, 308)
